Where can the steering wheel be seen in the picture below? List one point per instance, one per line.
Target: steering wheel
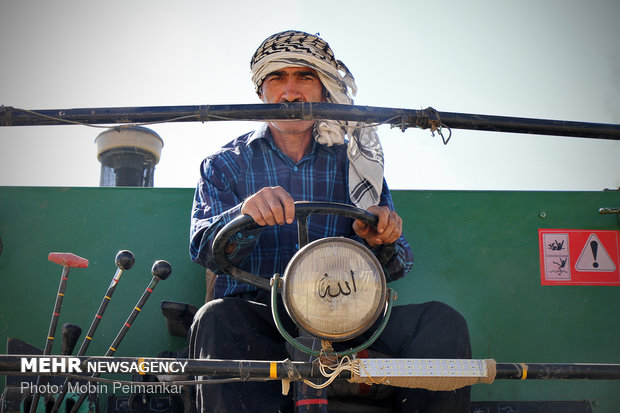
(302, 211)
(380, 301)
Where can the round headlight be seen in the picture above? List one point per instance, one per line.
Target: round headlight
(334, 288)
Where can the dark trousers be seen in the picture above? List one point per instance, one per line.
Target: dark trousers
(240, 329)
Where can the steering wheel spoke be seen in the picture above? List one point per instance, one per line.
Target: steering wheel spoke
(302, 230)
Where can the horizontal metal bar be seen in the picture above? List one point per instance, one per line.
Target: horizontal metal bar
(531, 126)
(402, 118)
(10, 364)
(557, 371)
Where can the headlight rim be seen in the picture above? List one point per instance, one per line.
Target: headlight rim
(337, 337)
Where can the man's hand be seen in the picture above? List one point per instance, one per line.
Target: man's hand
(389, 227)
(270, 206)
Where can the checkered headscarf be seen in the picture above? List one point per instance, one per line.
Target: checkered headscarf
(298, 49)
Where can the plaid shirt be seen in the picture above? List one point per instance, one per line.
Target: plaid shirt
(252, 162)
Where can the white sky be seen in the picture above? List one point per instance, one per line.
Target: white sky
(551, 59)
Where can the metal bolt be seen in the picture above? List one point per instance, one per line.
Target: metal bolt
(543, 214)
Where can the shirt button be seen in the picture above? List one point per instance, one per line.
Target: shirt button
(295, 168)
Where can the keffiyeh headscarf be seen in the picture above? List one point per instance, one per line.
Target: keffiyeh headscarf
(298, 49)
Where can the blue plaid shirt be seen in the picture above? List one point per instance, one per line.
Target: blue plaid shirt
(252, 162)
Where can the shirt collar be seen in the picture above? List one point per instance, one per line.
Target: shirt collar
(263, 132)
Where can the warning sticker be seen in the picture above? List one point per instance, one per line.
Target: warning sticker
(594, 257)
(557, 257)
(579, 257)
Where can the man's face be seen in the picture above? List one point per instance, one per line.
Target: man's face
(292, 84)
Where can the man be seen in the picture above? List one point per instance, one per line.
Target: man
(262, 174)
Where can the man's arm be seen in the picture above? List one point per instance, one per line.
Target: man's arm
(215, 205)
(388, 231)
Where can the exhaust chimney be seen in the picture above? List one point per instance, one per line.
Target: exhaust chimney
(128, 156)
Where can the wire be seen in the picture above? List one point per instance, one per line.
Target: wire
(117, 126)
(72, 122)
(198, 117)
(345, 364)
(435, 125)
(440, 132)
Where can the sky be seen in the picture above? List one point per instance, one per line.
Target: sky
(549, 59)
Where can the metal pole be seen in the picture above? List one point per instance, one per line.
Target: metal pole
(295, 370)
(161, 271)
(557, 371)
(402, 118)
(67, 260)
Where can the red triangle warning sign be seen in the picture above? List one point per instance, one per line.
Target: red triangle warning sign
(594, 257)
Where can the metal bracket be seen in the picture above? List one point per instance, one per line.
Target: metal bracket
(6, 115)
(611, 211)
